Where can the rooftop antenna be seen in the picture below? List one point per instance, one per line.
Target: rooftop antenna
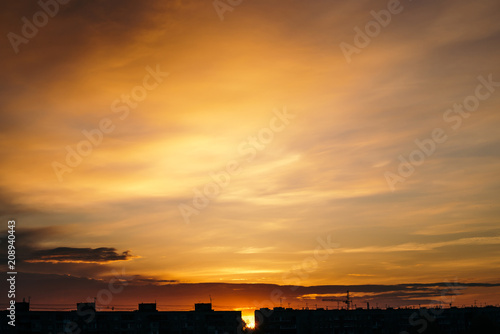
(210, 296)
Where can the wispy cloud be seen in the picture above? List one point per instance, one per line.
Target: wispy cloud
(425, 246)
(322, 176)
(255, 250)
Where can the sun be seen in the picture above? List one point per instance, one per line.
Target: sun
(251, 325)
(249, 321)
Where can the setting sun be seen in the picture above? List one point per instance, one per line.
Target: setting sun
(249, 323)
(248, 316)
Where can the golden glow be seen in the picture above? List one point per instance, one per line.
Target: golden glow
(249, 318)
(250, 323)
(319, 173)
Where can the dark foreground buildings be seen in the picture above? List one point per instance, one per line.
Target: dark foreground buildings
(204, 320)
(146, 320)
(470, 320)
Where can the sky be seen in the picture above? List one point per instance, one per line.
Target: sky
(232, 149)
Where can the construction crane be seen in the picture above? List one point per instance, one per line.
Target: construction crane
(332, 300)
(347, 301)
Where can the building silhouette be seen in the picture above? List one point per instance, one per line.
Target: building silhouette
(204, 320)
(469, 320)
(146, 320)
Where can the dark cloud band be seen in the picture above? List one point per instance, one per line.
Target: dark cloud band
(85, 255)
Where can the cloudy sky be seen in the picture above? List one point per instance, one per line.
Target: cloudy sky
(280, 143)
